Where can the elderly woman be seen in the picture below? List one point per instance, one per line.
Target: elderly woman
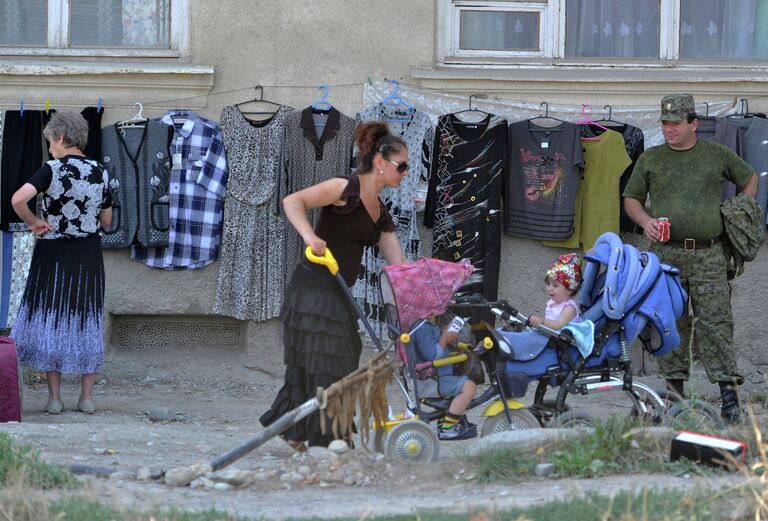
(59, 325)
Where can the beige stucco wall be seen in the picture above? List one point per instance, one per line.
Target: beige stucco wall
(236, 44)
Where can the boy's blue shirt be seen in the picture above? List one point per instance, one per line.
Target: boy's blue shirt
(426, 346)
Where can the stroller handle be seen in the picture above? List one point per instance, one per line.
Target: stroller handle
(327, 259)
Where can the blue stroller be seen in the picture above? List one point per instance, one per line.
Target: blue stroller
(625, 295)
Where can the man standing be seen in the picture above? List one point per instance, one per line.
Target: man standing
(683, 179)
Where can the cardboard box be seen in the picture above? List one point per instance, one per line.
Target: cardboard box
(707, 449)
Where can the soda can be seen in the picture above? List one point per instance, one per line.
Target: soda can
(664, 228)
(456, 324)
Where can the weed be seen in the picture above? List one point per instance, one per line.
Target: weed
(22, 465)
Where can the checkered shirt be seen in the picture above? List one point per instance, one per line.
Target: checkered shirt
(196, 187)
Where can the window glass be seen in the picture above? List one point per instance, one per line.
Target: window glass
(723, 30)
(23, 22)
(120, 23)
(612, 28)
(499, 30)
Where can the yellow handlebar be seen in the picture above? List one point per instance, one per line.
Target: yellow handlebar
(405, 338)
(487, 342)
(326, 260)
(450, 360)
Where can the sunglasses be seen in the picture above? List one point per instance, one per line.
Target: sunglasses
(401, 167)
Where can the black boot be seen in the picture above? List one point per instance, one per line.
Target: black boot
(730, 411)
(677, 386)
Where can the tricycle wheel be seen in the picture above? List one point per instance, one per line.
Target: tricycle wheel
(573, 419)
(412, 441)
(522, 419)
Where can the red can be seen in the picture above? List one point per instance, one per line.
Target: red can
(664, 228)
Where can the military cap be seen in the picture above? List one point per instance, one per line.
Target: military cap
(676, 107)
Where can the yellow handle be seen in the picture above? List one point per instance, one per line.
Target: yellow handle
(450, 360)
(487, 342)
(405, 338)
(464, 346)
(326, 260)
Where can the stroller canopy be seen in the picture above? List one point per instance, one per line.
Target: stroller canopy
(421, 289)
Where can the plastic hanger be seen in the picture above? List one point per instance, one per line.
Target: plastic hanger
(586, 121)
(21, 108)
(322, 105)
(98, 106)
(541, 117)
(258, 98)
(136, 121)
(393, 99)
(609, 121)
(470, 109)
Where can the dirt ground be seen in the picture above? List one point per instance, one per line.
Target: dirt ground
(218, 401)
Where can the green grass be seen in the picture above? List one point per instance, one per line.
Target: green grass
(21, 464)
(86, 510)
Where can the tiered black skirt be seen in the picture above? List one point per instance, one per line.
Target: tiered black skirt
(321, 346)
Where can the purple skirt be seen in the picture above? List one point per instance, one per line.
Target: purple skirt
(60, 322)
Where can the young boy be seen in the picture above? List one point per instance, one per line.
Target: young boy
(432, 343)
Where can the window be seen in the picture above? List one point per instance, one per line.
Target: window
(93, 27)
(604, 29)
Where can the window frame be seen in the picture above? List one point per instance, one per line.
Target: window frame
(57, 30)
(447, 51)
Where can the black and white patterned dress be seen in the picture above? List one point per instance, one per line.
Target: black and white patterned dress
(60, 322)
(251, 281)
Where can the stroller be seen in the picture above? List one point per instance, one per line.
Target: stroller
(626, 295)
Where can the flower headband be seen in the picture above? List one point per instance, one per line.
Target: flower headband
(566, 270)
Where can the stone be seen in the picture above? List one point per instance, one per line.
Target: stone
(544, 470)
(321, 453)
(222, 487)
(233, 477)
(338, 446)
(162, 414)
(122, 476)
(179, 476)
(144, 474)
(202, 482)
(292, 477)
(304, 470)
(525, 440)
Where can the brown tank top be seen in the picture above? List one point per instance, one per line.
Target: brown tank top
(348, 229)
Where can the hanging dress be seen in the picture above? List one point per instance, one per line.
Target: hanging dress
(418, 132)
(250, 284)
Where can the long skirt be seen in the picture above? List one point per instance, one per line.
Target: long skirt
(321, 346)
(60, 322)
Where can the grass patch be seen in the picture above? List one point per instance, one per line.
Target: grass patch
(23, 466)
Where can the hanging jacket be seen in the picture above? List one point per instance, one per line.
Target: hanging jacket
(743, 231)
(139, 167)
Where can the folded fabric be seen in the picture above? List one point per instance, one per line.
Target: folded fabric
(583, 335)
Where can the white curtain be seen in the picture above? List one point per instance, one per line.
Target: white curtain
(499, 30)
(120, 23)
(723, 29)
(612, 28)
(23, 22)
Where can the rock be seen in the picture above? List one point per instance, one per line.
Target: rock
(233, 477)
(544, 470)
(338, 446)
(292, 477)
(222, 487)
(202, 482)
(122, 476)
(321, 453)
(525, 440)
(662, 435)
(349, 480)
(304, 470)
(264, 476)
(144, 474)
(162, 414)
(180, 476)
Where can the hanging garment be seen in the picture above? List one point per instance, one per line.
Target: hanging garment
(197, 185)
(251, 282)
(20, 246)
(23, 153)
(464, 198)
(139, 173)
(311, 159)
(597, 204)
(545, 166)
(754, 142)
(634, 142)
(723, 131)
(415, 128)
(93, 116)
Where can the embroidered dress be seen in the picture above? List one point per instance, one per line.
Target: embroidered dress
(418, 132)
(250, 284)
(197, 185)
(60, 325)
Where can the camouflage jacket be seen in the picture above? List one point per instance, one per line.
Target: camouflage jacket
(743, 232)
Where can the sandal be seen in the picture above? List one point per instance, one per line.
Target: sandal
(298, 446)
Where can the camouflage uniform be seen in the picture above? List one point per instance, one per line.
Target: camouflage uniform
(685, 187)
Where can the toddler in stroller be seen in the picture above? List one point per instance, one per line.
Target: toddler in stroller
(432, 342)
(562, 281)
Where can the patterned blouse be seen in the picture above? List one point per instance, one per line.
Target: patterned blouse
(75, 190)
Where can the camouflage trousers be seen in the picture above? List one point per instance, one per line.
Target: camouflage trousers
(703, 275)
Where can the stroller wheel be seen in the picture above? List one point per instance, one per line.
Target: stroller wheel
(693, 415)
(522, 419)
(573, 419)
(412, 441)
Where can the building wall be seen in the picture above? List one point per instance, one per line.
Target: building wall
(300, 44)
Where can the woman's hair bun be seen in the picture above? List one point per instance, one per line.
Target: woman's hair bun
(367, 134)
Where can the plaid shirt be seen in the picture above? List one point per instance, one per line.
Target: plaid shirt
(197, 186)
